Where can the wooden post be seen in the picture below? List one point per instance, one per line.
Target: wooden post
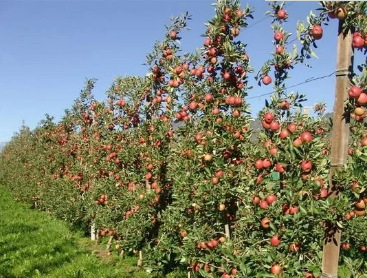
(140, 260)
(108, 246)
(339, 146)
(93, 231)
(227, 231)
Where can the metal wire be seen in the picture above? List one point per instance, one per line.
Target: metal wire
(311, 79)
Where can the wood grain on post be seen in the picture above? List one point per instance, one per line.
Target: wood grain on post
(339, 146)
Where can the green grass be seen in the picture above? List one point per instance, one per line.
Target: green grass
(33, 244)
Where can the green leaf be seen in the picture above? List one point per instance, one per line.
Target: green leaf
(313, 54)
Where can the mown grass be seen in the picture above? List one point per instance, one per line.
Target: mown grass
(33, 244)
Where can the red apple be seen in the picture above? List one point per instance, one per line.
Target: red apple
(256, 200)
(265, 223)
(266, 80)
(271, 199)
(323, 193)
(208, 42)
(306, 137)
(292, 127)
(219, 173)
(279, 49)
(306, 166)
(354, 92)
(275, 240)
(274, 126)
(276, 269)
(268, 117)
(364, 142)
(209, 98)
(285, 208)
(297, 142)
(227, 75)
(215, 242)
(266, 163)
(279, 168)
(293, 209)
(346, 246)
(236, 113)
(173, 34)
(282, 14)
(193, 105)
(316, 32)
(278, 36)
(284, 134)
(294, 247)
(264, 204)
(230, 100)
(358, 42)
(215, 111)
(259, 164)
(362, 99)
(284, 105)
(212, 51)
(259, 179)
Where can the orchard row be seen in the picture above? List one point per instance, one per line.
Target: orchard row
(169, 166)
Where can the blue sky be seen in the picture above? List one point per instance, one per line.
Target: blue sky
(48, 49)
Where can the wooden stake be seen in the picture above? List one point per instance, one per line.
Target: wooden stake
(93, 231)
(140, 261)
(227, 232)
(108, 247)
(97, 237)
(339, 146)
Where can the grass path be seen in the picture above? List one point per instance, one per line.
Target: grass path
(33, 244)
